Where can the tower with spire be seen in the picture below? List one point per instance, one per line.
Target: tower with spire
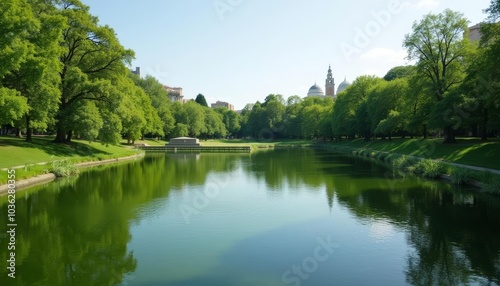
(330, 83)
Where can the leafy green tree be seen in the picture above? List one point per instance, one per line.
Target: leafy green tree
(194, 118)
(37, 78)
(244, 121)
(482, 85)
(385, 108)
(438, 45)
(231, 120)
(310, 121)
(257, 121)
(292, 117)
(132, 119)
(12, 106)
(399, 72)
(93, 61)
(417, 104)
(273, 114)
(200, 99)
(180, 130)
(110, 133)
(162, 118)
(214, 127)
(85, 120)
(350, 114)
(17, 24)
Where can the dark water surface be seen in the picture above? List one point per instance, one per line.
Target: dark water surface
(285, 217)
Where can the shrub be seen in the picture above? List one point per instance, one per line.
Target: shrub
(460, 175)
(430, 168)
(492, 184)
(403, 163)
(381, 156)
(64, 168)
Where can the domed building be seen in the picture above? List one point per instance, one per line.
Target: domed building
(315, 90)
(343, 85)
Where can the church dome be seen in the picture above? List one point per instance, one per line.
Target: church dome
(343, 85)
(315, 90)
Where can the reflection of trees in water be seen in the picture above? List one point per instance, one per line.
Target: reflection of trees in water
(75, 232)
(455, 237)
(293, 166)
(454, 233)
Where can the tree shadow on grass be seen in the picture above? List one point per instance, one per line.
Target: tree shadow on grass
(47, 145)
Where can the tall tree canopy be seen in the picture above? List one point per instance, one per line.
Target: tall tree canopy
(438, 46)
(92, 61)
(200, 99)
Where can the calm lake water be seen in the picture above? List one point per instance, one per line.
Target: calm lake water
(284, 217)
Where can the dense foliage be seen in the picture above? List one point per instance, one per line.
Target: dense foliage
(62, 72)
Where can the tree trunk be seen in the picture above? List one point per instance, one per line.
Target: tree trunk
(29, 130)
(60, 135)
(484, 130)
(18, 133)
(69, 136)
(425, 130)
(475, 130)
(367, 135)
(29, 133)
(449, 135)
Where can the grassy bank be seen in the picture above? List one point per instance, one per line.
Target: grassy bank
(471, 152)
(433, 161)
(60, 157)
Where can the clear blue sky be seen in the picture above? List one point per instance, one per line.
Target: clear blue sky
(242, 50)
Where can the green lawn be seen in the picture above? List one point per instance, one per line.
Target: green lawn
(16, 152)
(465, 151)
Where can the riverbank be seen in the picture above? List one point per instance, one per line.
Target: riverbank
(467, 151)
(45, 178)
(467, 162)
(437, 163)
(32, 159)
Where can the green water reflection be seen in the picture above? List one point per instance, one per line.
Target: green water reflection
(229, 219)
